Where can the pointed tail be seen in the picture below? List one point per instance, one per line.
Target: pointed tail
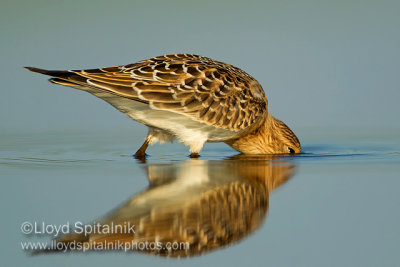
(62, 77)
(54, 73)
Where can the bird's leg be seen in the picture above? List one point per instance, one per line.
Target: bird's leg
(141, 153)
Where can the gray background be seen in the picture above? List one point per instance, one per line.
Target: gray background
(322, 63)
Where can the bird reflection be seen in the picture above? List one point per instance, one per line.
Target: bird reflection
(203, 204)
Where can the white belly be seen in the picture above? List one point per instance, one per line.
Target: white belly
(168, 124)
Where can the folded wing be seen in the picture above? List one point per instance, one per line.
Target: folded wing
(203, 89)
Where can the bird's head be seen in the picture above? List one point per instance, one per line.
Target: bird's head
(281, 138)
(273, 137)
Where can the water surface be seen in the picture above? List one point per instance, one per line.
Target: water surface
(335, 204)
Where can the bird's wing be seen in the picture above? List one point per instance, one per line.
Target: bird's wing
(206, 90)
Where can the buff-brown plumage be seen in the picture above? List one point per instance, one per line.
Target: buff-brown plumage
(227, 104)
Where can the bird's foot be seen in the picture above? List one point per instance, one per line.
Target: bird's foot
(140, 156)
(194, 155)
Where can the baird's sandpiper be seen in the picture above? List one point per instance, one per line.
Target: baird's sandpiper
(189, 97)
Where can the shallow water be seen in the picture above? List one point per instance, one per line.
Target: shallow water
(335, 204)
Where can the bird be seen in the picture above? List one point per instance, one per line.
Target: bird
(191, 98)
(223, 202)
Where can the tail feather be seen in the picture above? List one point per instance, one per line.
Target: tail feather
(66, 78)
(72, 78)
(63, 77)
(55, 73)
(65, 82)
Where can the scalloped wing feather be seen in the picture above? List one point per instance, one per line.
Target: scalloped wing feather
(203, 89)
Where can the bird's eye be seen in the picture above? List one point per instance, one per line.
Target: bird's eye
(291, 150)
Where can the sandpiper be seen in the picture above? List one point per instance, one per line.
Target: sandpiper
(204, 205)
(191, 98)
